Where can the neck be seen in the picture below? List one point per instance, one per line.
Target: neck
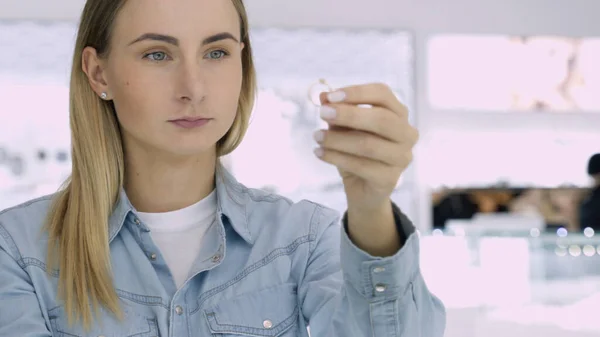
(157, 184)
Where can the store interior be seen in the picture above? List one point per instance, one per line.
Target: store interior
(503, 93)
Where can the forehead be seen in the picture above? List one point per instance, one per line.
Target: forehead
(180, 18)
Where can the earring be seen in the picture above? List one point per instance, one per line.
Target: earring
(314, 92)
(103, 95)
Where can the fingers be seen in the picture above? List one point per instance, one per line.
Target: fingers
(375, 172)
(362, 144)
(376, 94)
(373, 142)
(375, 120)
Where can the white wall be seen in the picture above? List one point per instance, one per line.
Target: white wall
(423, 18)
(469, 16)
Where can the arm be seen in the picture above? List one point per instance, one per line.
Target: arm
(20, 313)
(359, 295)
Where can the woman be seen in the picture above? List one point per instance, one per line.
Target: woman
(151, 236)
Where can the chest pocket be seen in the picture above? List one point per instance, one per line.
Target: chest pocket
(133, 325)
(272, 312)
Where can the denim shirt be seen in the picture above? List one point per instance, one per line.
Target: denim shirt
(269, 267)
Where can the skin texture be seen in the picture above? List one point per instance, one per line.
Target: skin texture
(152, 82)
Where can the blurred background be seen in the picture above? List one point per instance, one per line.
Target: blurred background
(506, 95)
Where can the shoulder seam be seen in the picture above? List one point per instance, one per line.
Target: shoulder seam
(27, 203)
(313, 227)
(12, 245)
(24, 262)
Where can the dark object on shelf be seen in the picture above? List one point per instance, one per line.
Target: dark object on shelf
(61, 156)
(42, 155)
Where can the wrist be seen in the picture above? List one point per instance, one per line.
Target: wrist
(374, 230)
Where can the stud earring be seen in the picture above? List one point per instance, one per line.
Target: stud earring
(103, 95)
(315, 90)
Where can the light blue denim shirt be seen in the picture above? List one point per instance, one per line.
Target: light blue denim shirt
(270, 267)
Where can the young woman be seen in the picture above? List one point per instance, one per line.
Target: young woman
(151, 236)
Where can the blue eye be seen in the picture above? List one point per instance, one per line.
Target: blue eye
(156, 56)
(217, 54)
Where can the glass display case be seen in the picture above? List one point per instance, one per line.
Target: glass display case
(516, 283)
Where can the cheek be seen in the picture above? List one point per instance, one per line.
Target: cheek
(231, 105)
(127, 99)
(127, 86)
(135, 108)
(231, 90)
(131, 93)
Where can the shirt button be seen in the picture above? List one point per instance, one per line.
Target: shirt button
(153, 257)
(178, 310)
(378, 270)
(137, 221)
(268, 324)
(380, 288)
(216, 258)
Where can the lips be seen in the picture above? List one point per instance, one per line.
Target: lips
(189, 119)
(190, 122)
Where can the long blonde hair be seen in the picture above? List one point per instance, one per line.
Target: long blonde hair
(77, 222)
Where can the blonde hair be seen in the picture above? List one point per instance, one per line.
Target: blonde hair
(77, 222)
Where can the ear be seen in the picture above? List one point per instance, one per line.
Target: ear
(93, 67)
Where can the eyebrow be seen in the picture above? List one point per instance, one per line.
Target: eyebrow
(174, 41)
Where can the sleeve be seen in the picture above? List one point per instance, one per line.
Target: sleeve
(20, 313)
(348, 293)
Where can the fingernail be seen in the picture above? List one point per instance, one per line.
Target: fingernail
(336, 96)
(327, 112)
(319, 136)
(319, 152)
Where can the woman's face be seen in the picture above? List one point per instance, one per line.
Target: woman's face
(172, 61)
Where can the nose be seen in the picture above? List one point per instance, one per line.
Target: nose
(191, 86)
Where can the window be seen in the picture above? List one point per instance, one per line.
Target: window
(511, 73)
(513, 158)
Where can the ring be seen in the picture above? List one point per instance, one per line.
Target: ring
(314, 92)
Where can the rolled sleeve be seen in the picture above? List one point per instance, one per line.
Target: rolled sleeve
(347, 292)
(382, 278)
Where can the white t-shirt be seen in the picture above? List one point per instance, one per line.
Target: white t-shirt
(179, 234)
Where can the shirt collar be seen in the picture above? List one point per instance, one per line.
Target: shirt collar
(231, 202)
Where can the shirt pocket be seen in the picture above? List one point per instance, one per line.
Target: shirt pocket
(272, 312)
(133, 325)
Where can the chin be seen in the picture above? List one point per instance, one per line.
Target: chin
(186, 148)
(193, 150)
